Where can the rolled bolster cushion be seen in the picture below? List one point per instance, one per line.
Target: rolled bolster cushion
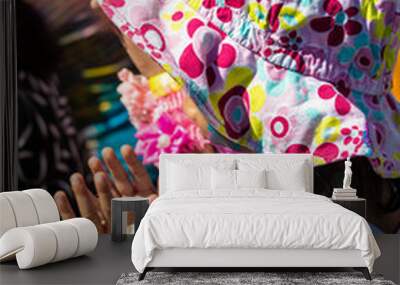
(66, 238)
(45, 205)
(40, 244)
(23, 208)
(33, 246)
(87, 235)
(7, 218)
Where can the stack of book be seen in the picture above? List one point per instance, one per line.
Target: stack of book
(343, 194)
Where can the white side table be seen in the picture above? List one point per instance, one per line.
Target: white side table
(137, 205)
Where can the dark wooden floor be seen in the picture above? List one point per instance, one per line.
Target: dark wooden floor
(106, 264)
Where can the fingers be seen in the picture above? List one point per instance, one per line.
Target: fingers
(143, 184)
(63, 205)
(86, 204)
(96, 166)
(104, 193)
(121, 178)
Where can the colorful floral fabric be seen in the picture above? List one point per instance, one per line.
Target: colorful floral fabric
(282, 76)
(162, 125)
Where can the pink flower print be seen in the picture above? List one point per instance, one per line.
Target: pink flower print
(197, 54)
(115, 3)
(109, 5)
(353, 135)
(224, 14)
(209, 3)
(273, 17)
(297, 148)
(166, 136)
(339, 22)
(326, 151)
(281, 126)
(235, 3)
(342, 105)
(153, 39)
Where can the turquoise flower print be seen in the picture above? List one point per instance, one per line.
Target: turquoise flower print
(363, 58)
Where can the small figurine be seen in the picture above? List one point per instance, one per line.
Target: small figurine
(347, 174)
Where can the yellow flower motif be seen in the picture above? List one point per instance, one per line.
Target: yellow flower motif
(178, 16)
(257, 98)
(195, 4)
(291, 18)
(258, 14)
(168, 68)
(163, 84)
(370, 12)
(328, 130)
(257, 128)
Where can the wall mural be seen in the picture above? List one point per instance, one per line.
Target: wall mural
(135, 79)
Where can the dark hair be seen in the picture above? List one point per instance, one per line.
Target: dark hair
(37, 49)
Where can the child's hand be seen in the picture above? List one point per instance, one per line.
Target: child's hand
(98, 208)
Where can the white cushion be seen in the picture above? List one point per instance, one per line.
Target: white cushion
(251, 178)
(183, 177)
(23, 208)
(67, 239)
(223, 179)
(45, 205)
(7, 218)
(32, 246)
(26, 208)
(40, 244)
(281, 175)
(87, 235)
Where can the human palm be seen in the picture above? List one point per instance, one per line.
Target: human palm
(110, 180)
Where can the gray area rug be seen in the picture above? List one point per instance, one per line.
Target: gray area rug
(233, 278)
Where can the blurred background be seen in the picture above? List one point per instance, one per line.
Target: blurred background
(68, 59)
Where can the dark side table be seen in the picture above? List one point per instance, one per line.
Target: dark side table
(137, 205)
(358, 205)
